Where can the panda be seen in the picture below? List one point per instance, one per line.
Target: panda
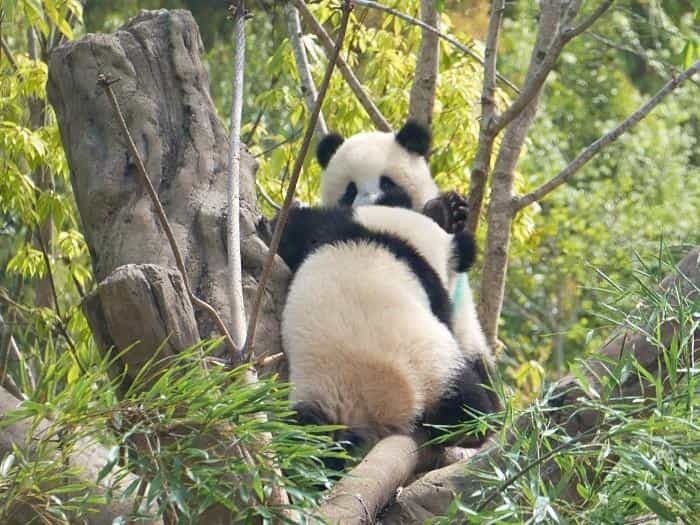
(391, 169)
(366, 326)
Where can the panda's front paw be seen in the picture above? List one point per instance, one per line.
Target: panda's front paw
(458, 210)
(448, 210)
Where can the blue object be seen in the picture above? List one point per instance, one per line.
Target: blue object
(459, 290)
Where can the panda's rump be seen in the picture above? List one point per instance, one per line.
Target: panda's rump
(377, 356)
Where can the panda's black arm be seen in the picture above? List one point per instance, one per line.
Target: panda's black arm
(449, 210)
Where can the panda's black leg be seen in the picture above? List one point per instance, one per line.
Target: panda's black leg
(471, 389)
(309, 413)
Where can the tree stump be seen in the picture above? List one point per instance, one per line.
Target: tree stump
(163, 89)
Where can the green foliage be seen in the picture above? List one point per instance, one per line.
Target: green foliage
(643, 189)
(194, 432)
(566, 255)
(642, 457)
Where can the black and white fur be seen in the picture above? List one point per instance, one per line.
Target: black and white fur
(377, 168)
(367, 325)
(391, 169)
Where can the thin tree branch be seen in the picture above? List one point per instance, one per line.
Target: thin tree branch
(482, 159)
(8, 52)
(427, 27)
(604, 141)
(278, 495)
(296, 170)
(589, 20)
(499, 216)
(106, 84)
(267, 198)
(370, 108)
(234, 176)
(422, 98)
(548, 58)
(60, 321)
(5, 379)
(306, 81)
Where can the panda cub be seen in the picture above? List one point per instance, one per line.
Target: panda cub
(391, 169)
(366, 326)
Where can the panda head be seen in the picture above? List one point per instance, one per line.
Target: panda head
(377, 168)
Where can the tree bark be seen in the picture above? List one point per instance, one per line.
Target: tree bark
(163, 91)
(422, 98)
(500, 212)
(432, 494)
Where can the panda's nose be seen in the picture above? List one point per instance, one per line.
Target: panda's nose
(365, 198)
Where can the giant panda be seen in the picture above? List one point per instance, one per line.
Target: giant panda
(391, 169)
(367, 328)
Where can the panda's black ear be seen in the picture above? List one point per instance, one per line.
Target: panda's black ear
(327, 147)
(463, 250)
(415, 137)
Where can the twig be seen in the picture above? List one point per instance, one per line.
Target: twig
(267, 198)
(106, 84)
(589, 20)
(306, 81)
(233, 186)
(604, 141)
(482, 159)
(8, 52)
(422, 97)
(375, 115)
(661, 67)
(531, 88)
(299, 161)
(5, 379)
(59, 317)
(281, 143)
(447, 38)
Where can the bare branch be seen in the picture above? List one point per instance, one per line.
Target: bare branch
(234, 176)
(482, 159)
(60, 321)
(499, 215)
(422, 98)
(546, 58)
(363, 492)
(6, 380)
(427, 27)
(162, 217)
(604, 141)
(370, 108)
(296, 170)
(265, 196)
(6, 49)
(589, 20)
(306, 81)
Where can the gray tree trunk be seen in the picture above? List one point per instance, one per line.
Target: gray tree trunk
(163, 90)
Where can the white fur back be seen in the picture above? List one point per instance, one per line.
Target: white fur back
(421, 232)
(365, 157)
(435, 244)
(362, 341)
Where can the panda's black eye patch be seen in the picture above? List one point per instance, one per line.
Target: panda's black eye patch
(385, 183)
(349, 196)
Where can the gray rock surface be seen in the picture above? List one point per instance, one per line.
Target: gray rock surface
(163, 90)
